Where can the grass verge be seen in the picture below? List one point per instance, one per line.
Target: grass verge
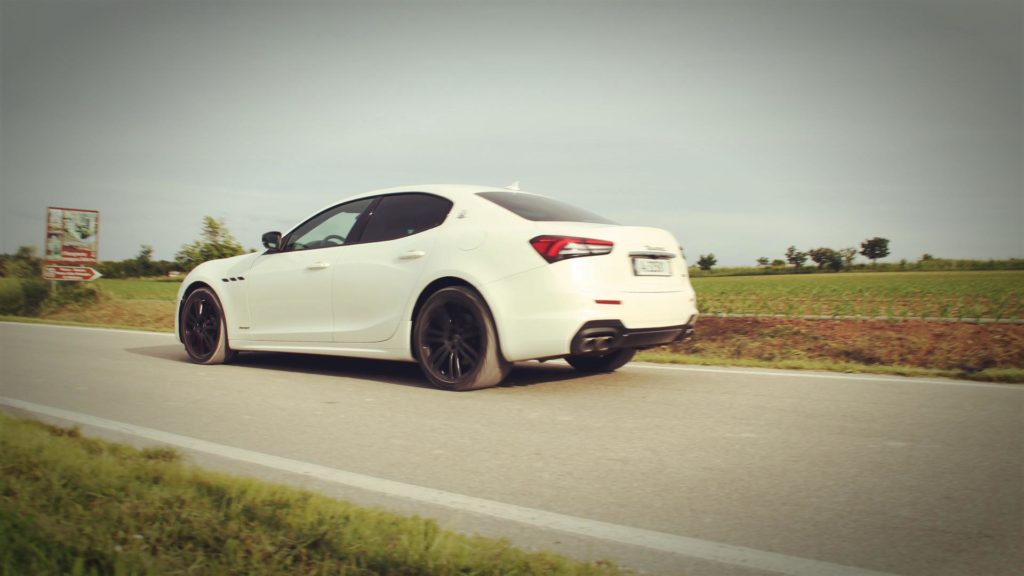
(75, 505)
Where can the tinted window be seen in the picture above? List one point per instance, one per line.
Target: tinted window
(402, 215)
(541, 208)
(328, 228)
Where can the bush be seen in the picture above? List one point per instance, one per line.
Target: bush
(73, 293)
(32, 296)
(11, 298)
(34, 292)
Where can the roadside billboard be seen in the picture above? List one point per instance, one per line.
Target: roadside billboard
(72, 239)
(72, 235)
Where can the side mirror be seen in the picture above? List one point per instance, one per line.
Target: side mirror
(272, 241)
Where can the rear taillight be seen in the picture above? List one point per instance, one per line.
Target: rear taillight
(555, 248)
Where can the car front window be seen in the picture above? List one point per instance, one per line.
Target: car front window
(328, 229)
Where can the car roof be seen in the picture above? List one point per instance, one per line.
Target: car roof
(451, 191)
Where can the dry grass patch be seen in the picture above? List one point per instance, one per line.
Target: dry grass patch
(143, 314)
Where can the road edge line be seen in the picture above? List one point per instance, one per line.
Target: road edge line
(640, 537)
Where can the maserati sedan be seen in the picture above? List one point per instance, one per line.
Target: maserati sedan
(462, 280)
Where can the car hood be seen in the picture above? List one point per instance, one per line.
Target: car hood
(227, 266)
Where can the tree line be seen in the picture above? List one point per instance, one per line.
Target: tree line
(826, 258)
(215, 241)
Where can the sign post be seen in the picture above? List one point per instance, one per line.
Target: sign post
(72, 241)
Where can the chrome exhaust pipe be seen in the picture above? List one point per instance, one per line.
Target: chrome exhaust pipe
(596, 344)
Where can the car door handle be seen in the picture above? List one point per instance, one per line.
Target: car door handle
(412, 255)
(318, 266)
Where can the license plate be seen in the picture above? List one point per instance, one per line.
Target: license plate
(652, 267)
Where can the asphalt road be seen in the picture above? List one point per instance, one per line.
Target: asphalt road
(669, 470)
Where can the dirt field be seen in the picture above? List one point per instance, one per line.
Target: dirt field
(942, 345)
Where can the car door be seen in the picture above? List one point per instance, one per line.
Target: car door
(376, 278)
(290, 290)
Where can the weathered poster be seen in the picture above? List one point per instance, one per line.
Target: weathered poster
(72, 235)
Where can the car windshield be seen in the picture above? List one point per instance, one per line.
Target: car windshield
(541, 208)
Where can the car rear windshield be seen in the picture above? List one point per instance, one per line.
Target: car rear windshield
(541, 208)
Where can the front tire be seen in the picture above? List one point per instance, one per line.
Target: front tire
(455, 342)
(203, 328)
(608, 363)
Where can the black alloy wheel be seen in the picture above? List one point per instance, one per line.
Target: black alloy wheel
(455, 341)
(203, 328)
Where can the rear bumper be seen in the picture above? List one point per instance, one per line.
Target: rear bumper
(601, 336)
(538, 313)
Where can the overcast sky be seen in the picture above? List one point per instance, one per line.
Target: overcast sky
(741, 126)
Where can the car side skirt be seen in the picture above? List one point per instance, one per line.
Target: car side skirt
(396, 348)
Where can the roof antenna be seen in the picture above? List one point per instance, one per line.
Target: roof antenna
(513, 186)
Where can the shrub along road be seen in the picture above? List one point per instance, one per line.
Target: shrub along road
(676, 470)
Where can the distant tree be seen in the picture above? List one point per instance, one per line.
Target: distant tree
(762, 261)
(795, 257)
(216, 242)
(875, 248)
(778, 263)
(706, 262)
(140, 266)
(827, 257)
(819, 256)
(144, 261)
(927, 257)
(848, 255)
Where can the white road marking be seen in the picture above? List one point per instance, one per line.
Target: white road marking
(90, 328)
(650, 539)
(820, 375)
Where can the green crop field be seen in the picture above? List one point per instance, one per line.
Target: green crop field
(994, 295)
(131, 289)
(953, 295)
(141, 288)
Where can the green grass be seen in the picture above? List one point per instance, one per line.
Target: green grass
(74, 505)
(130, 289)
(954, 295)
(141, 288)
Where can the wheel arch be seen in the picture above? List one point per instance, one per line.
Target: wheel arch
(192, 287)
(448, 282)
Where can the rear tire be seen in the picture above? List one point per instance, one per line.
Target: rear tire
(455, 343)
(204, 330)
(610, 362)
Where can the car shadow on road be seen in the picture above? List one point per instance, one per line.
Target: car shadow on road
(386, 371)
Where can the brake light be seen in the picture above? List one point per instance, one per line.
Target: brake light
(555, 248)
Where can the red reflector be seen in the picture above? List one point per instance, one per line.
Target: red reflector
(616, 302)
(555, 248)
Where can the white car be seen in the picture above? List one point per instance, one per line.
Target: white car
(464, 280)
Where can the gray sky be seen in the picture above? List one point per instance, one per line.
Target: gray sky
(741, 126)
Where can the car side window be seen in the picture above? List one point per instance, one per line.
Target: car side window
(329, 228)
(401, 215)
